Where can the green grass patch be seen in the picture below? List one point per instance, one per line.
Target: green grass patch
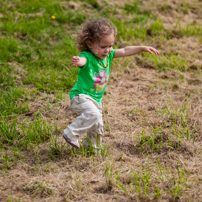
(10, 102)
(22, 134)
(8, 47)
(168, 62)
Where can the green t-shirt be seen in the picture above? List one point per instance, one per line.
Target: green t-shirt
(93, 77)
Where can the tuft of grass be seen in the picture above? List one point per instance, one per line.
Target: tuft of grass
(158, 138)
(38, 189)
(165, 63)
(8, 48)
(10, 102)
(132, 8)
(166, 182)
(101, 151)
(109, 173)
(18, 134)
(155, 28)
(7, 77)
(152, 142)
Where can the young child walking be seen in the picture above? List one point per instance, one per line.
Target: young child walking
(95, 42)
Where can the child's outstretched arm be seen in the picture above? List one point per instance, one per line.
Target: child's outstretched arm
(78, 61)
(132, 50)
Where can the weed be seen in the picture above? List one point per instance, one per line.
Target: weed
(164, 63)
(108, 126)
(8, 47)
(132, 8)
(155, 28)
(8, 131)
(37, 132)
(140, 183)
(7, 77)
(151, 142)
(38, 189)
(90, 150)
(119, 185)
(178, 119)
(188, 30)
(56, 149)
(145, 185)
(109, 173)
(9, 102)
(6, 160)
(93, 3)
(13, 133)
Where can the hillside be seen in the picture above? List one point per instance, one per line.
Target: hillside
(152, 107)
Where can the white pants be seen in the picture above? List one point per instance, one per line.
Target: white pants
(89, 121)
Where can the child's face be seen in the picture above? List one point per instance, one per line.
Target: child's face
(102, 48)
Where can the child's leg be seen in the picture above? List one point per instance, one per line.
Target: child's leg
(93, 139)
(90, 113)
(94, 136)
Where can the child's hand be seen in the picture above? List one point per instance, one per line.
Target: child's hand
(150, 50)
(75, 60)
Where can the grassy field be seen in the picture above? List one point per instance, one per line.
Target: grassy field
(152, 107)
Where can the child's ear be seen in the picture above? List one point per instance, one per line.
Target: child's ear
(89, 44)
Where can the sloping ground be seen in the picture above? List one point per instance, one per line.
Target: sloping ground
(152, 129)
(140, 103)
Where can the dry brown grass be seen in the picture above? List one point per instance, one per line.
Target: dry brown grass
(135, 101)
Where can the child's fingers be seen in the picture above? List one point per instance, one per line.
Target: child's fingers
(75, 58)
(74, 63)
(155, 51)
(151, 50)
(158, 52)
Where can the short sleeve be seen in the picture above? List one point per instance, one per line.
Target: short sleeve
(85, 55)
(111, 55)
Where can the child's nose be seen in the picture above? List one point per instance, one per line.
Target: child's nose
(107, 50)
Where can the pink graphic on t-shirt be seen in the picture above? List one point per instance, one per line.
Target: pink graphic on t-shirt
(100, 78)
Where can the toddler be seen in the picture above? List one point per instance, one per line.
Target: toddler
(95, 42)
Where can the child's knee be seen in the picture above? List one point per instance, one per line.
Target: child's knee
(94, 115)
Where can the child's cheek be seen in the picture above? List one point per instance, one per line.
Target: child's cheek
(95, 50)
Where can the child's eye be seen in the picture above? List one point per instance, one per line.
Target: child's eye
(105, 47)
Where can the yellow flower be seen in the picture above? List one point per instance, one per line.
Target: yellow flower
(53, 17)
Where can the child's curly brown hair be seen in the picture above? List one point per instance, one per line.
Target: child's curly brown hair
(93, 31)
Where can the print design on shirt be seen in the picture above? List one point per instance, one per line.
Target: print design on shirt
(100, 80)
